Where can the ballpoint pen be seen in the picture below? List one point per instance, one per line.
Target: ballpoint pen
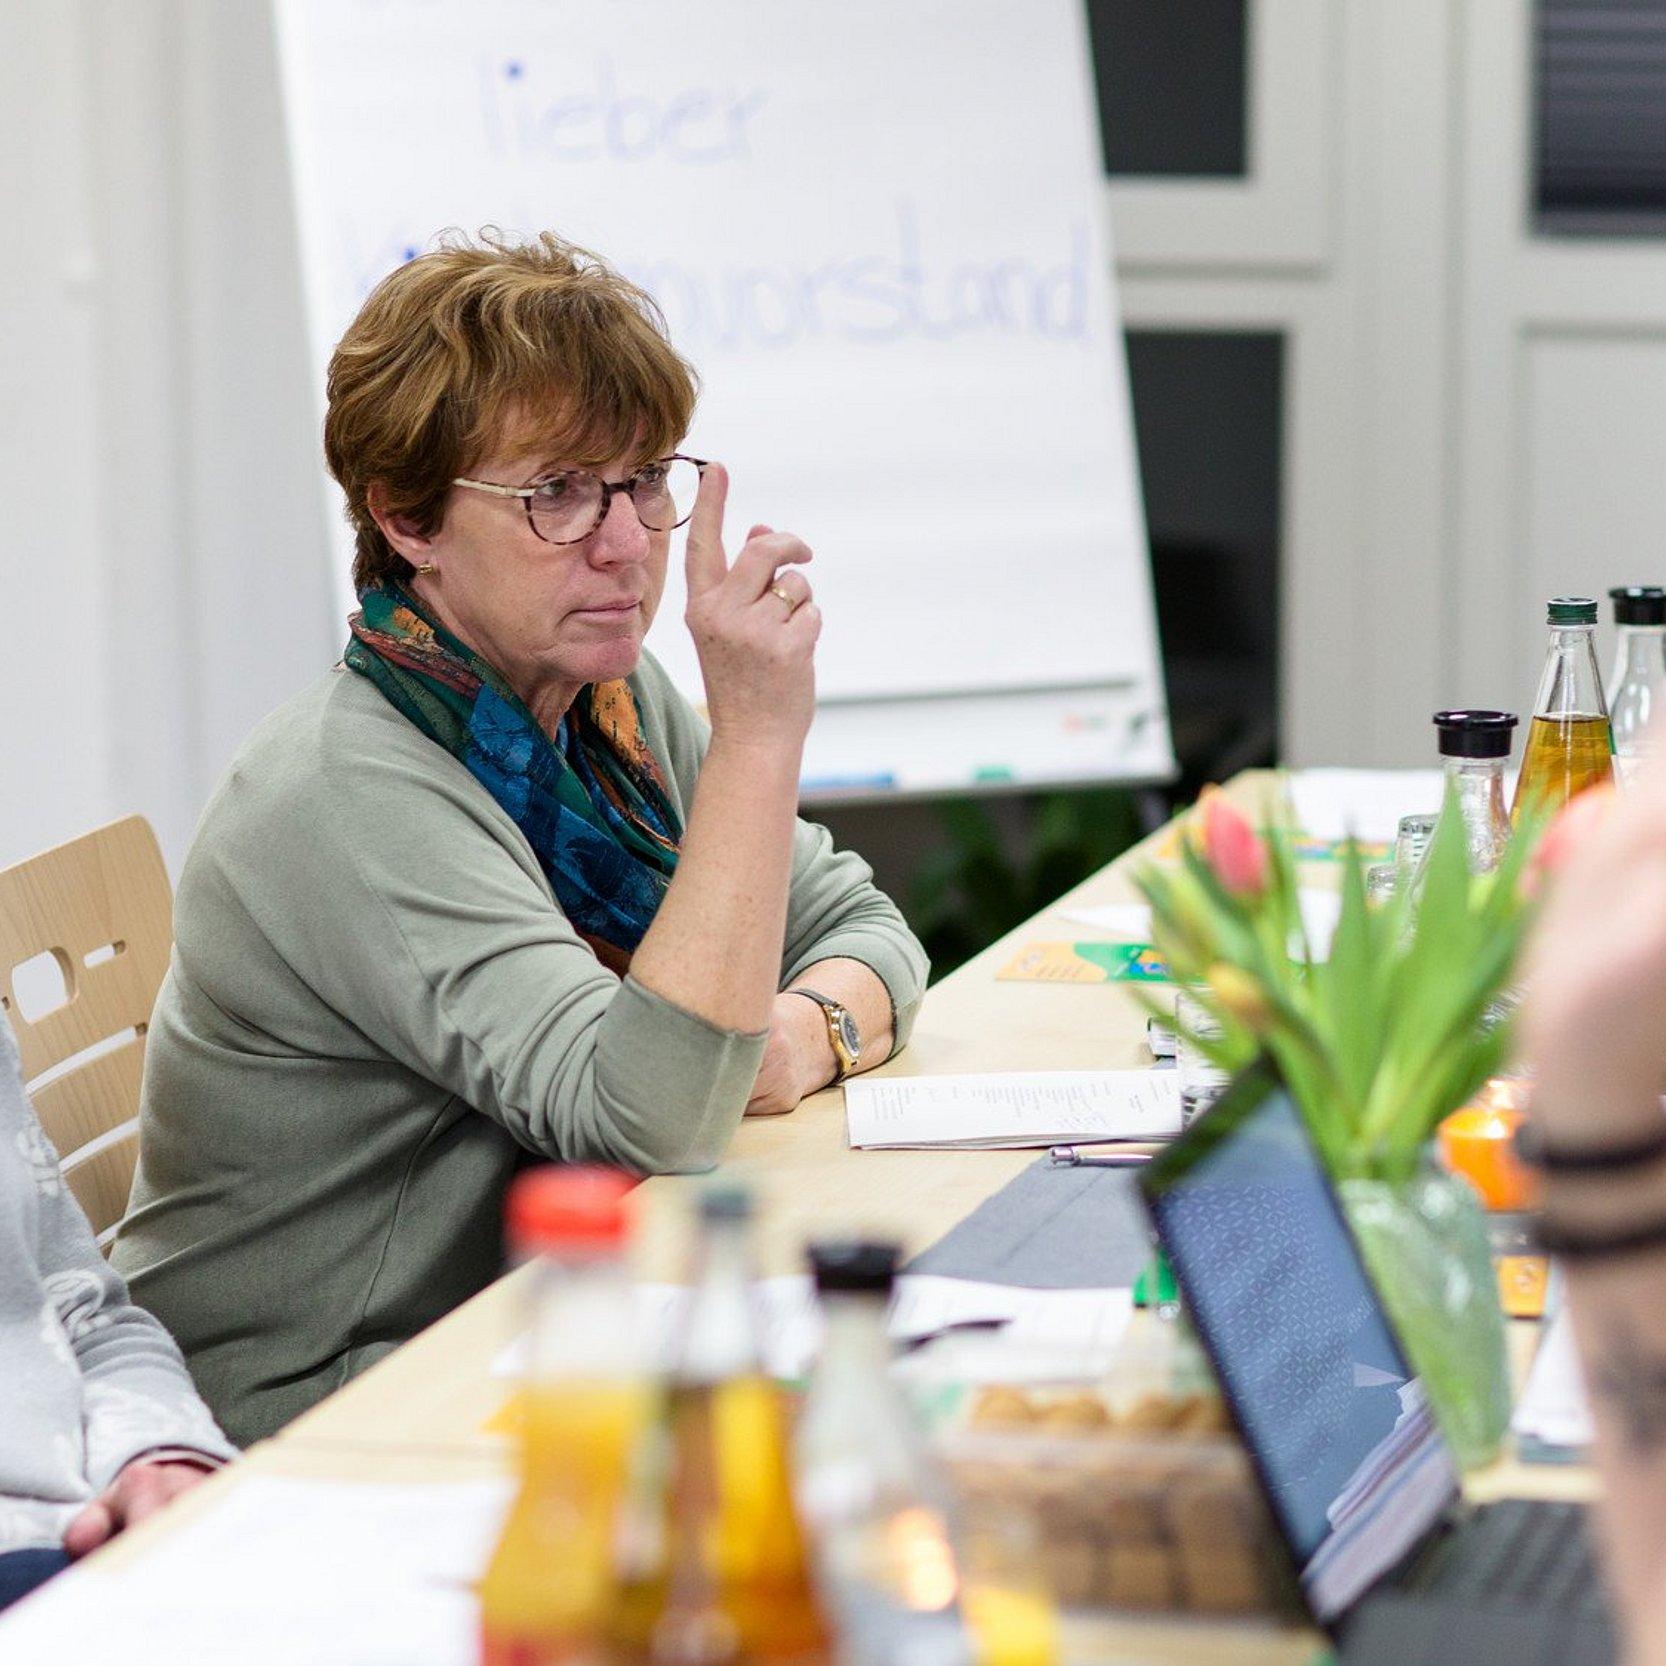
(1068, 1157)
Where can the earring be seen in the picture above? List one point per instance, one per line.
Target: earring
(427, 567)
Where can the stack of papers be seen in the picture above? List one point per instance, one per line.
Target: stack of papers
(1053, 1336)
(1049, 1107)
(789, 1318)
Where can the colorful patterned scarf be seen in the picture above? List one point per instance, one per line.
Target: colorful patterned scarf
(592, 803)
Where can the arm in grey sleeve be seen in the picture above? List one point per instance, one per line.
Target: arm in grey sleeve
(449, 950)
(836, 910)
(137, 1395)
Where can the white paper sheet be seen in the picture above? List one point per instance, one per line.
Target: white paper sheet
(1022, 1109)
(1332, 803)
(1553, 1407)
(790, 1318)
(1130, 922)
(281, 1571)
(1118, 922)
(1053, 1336)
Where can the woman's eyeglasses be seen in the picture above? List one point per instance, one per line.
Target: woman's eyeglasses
(567, 507)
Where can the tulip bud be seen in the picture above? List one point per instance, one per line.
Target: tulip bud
(1241, 997)
(1231, 847)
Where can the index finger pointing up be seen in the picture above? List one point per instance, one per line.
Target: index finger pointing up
(707, 564)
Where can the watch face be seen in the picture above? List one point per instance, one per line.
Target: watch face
(850, 1034)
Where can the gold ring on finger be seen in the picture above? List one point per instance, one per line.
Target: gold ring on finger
(787, 596)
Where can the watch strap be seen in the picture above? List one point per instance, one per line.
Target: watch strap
(837, 1014)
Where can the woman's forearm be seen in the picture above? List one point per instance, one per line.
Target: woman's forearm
(714, 948)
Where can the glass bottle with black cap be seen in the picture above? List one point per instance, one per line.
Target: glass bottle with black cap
(1474, 748)
(878, 1509)
(1637, 689)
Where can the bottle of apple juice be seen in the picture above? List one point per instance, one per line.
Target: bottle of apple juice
(1570, 745)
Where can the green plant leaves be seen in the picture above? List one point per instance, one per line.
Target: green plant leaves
(1394, 1029)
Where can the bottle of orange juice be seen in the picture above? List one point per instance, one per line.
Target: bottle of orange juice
(548, 1587)
(716, 1570)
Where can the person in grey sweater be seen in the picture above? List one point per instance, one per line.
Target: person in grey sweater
(492, 889)
(99, 1423)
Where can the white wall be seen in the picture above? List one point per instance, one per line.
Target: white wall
(55, 735)
(163, 549)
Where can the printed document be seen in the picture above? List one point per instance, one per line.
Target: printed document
(1037, 1108)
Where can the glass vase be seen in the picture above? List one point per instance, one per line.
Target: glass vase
(1425, 1243)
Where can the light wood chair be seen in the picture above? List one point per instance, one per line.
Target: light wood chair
(101, 908)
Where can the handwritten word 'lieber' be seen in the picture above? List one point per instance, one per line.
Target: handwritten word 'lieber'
(875, 299)
(698, 125)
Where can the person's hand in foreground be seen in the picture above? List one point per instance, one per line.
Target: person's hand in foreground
(1594, 1032)
(1594, 1024)
(139, 1490)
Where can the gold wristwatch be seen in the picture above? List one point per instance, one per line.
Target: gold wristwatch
(841, 1029)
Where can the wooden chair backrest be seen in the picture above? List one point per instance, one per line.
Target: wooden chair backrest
(101, 908)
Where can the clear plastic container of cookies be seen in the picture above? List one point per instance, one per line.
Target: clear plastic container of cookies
(1141, 1495)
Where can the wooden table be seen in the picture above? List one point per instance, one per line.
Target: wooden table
(422, 1412)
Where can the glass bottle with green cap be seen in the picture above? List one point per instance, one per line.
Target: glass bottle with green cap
(1637, 689)
(1570, 744)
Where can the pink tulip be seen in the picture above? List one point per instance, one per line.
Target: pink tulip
(1230, 846)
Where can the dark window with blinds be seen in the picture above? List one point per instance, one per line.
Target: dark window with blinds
(1600, 146)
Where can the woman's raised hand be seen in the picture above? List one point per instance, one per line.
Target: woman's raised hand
(754, 625)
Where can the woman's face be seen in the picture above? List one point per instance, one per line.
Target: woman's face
(549, 617)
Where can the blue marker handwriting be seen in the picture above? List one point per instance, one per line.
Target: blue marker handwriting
(907, 292)
(525, 118)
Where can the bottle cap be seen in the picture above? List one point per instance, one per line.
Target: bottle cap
(726, 1202)
(567, 1207)
(855, 1266)
(1639, 604)
(1573, 610)
(1476, 734)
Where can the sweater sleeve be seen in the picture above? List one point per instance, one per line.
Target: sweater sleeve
(834, 910)
(838, 912)
(436, 934)
(136, 1395)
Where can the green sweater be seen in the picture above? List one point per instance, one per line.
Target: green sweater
(375, 1012)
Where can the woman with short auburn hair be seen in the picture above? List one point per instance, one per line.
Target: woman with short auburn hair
(491, 888)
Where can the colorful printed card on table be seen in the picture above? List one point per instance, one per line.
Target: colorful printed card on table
(1085, 963)
(1309, 849)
